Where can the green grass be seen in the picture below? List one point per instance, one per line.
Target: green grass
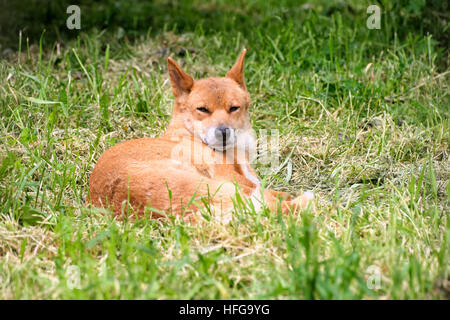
(363, 117)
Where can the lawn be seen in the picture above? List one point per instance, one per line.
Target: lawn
(362, 117)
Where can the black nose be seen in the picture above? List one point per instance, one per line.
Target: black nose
(222, 133)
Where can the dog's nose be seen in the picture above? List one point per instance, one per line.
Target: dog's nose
(222, 133)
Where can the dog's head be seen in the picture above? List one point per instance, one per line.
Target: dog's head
(214, 110)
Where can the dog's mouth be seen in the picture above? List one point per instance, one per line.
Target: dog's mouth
(222, 148)
(219, 146)
(242, 139)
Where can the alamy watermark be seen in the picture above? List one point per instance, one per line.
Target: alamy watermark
(374, 20)
(74, 20)
(73, 276)
(374, 280)
(244, 147)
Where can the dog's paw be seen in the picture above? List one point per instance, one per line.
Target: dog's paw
(300, 203)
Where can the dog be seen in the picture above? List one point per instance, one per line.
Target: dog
(201, 161)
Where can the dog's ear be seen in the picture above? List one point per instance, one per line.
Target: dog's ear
(181, 82)
(237, 71)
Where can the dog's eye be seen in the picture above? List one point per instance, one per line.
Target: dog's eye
(203, 109)
(234, 108)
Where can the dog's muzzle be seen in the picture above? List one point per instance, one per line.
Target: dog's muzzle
(220, 138)
(222, 135)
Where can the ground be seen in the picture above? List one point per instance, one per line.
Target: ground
(363, 121)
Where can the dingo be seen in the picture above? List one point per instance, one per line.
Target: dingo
(201, 160)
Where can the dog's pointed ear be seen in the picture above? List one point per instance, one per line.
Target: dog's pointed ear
(237, 71)
(181, 82)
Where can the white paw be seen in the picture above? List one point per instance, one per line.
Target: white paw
(308, 195)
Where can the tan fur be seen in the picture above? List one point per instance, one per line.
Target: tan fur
(139, 173)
